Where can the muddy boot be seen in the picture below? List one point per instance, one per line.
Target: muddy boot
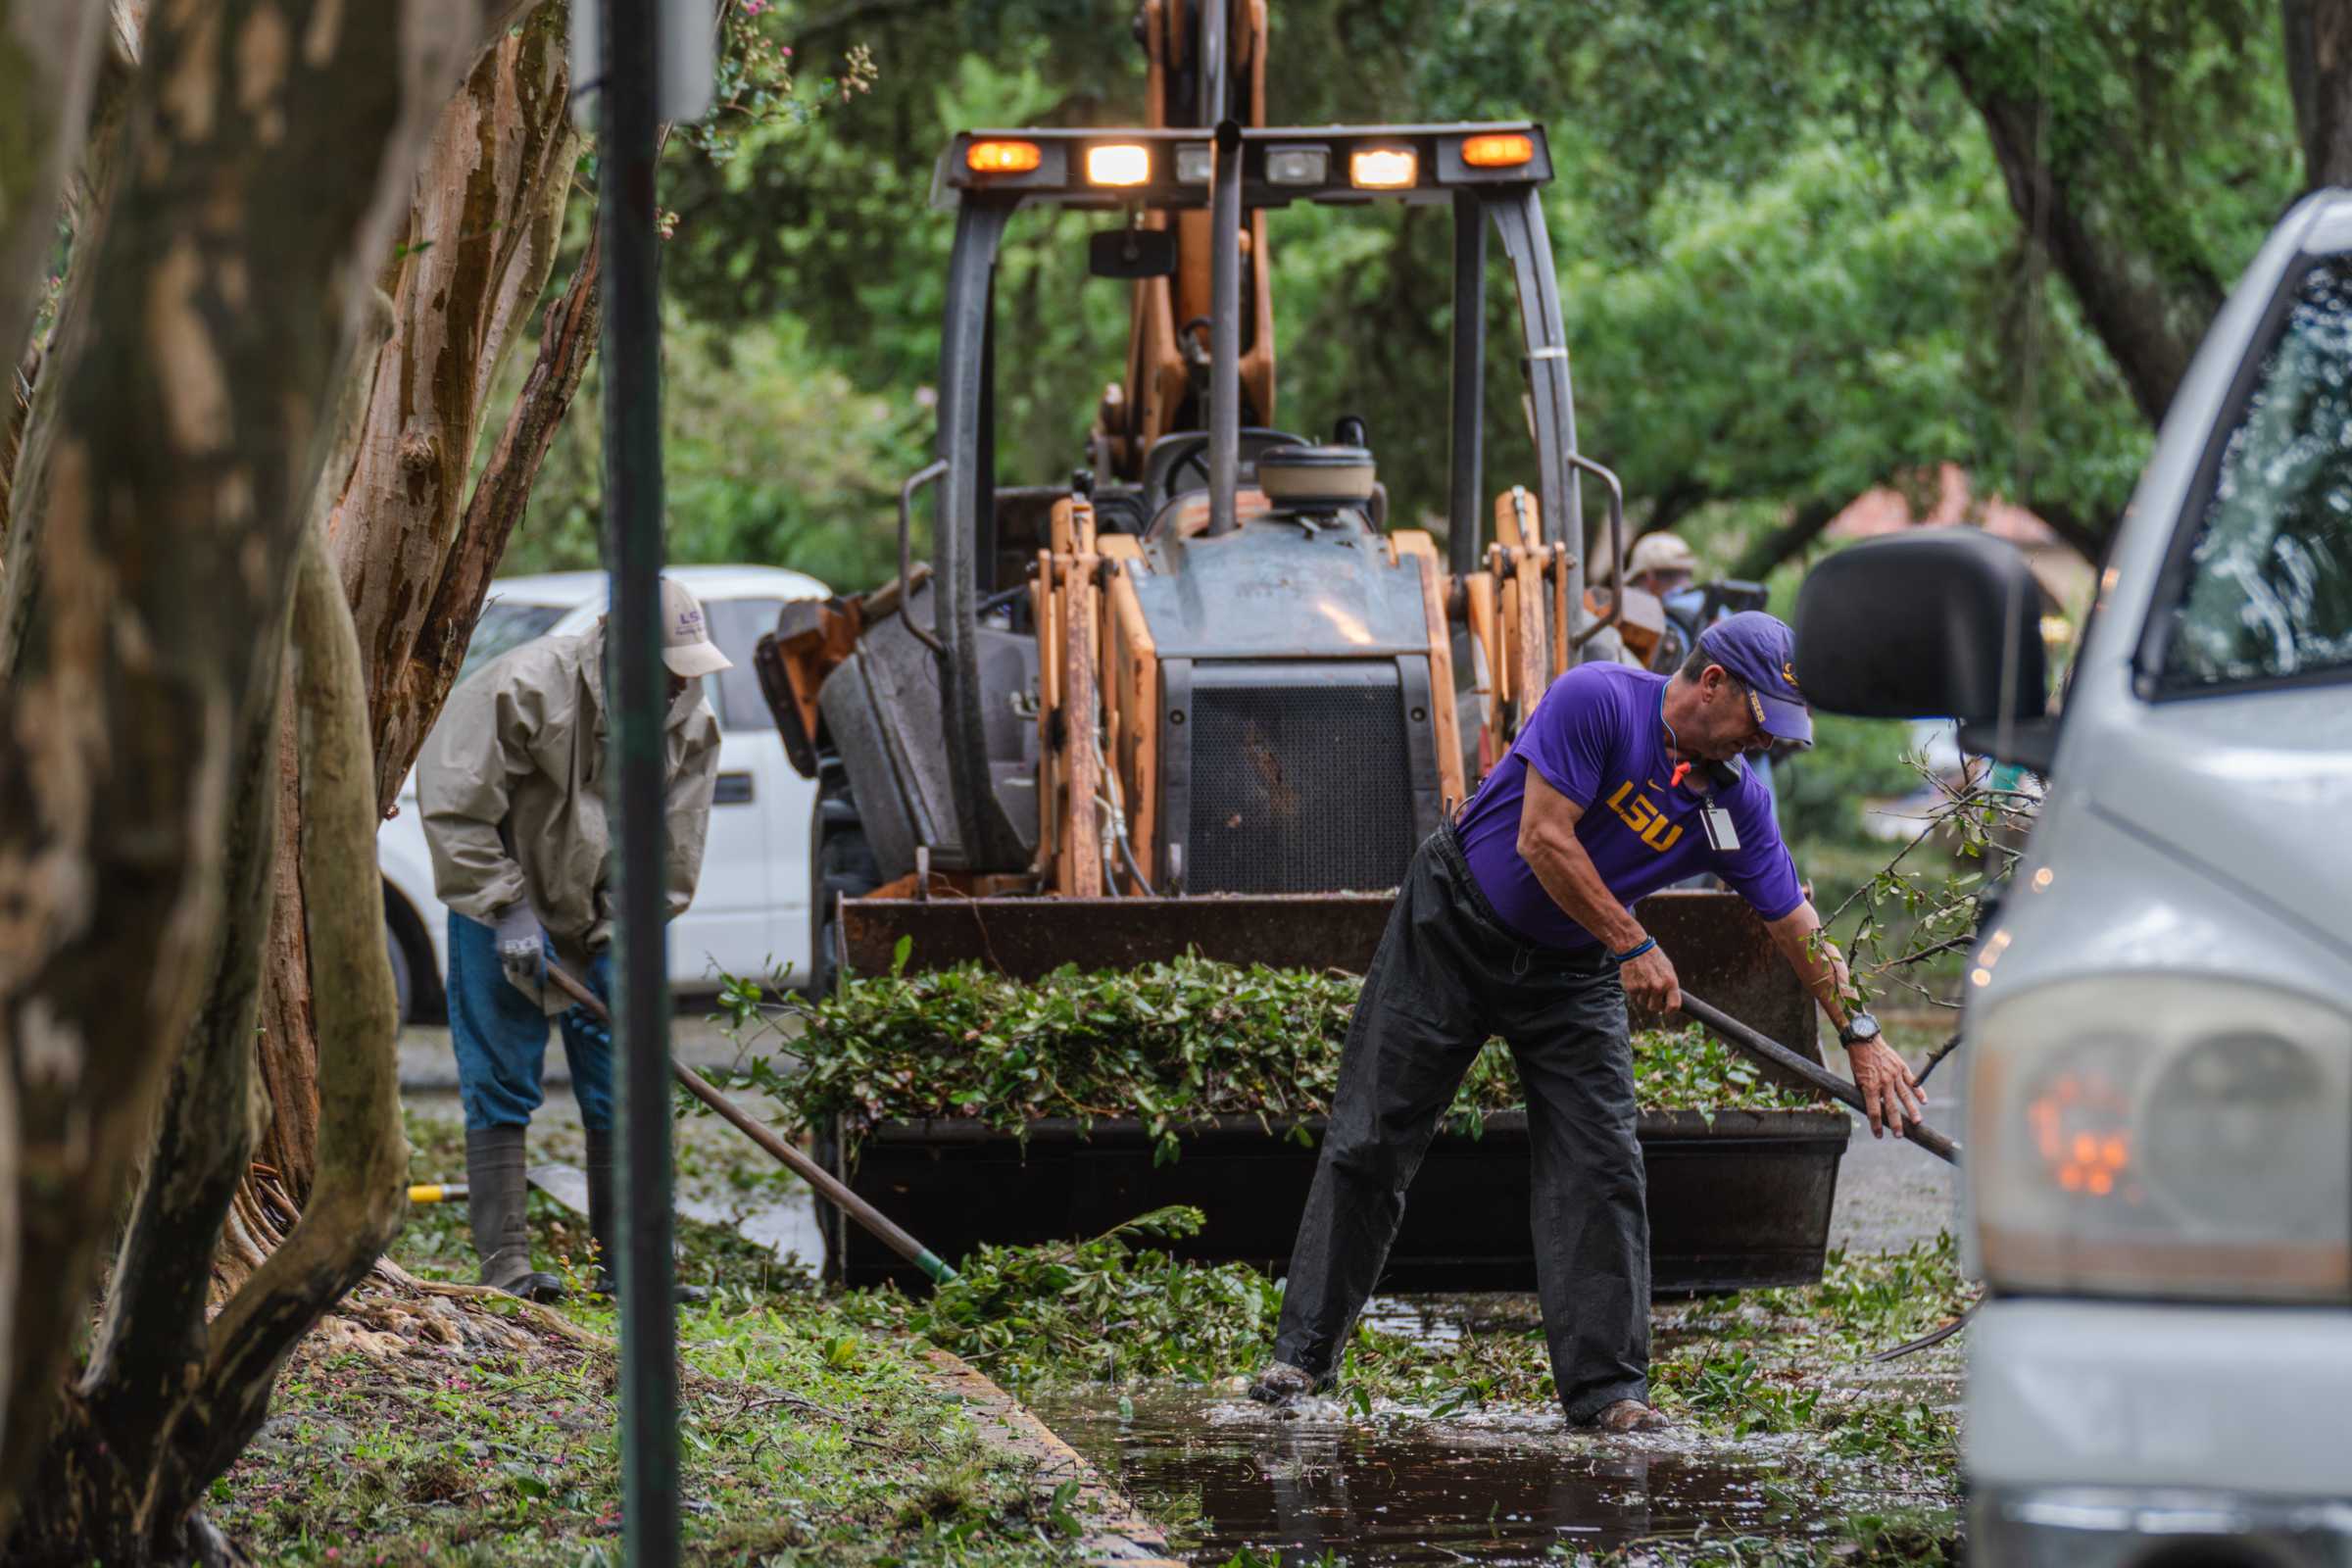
(1625, 1417)
(1281, 1383)
(496, 1194)
(601, 1216)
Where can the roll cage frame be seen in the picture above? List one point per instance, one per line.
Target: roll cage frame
(1509, 199)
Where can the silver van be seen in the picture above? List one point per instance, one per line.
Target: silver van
(2158, 1095)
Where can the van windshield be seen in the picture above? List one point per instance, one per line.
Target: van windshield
(2269, 595)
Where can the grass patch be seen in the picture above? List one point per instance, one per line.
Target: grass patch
(803, 1438)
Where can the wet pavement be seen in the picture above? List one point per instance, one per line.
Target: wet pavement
(428, 1065)
(1498, 1489)
(1386, 1486)
(1890, 1191)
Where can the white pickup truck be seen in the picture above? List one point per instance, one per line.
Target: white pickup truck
(750, 913)
(2158, 1034)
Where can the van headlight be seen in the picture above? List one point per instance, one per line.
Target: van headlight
(2164, 1135)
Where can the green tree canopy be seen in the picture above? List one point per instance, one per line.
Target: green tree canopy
(1801, 254)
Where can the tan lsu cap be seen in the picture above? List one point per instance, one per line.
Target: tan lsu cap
(686, 644)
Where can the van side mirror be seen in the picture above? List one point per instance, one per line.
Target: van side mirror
(1930, 624)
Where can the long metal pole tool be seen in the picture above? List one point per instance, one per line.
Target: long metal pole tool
(827, 1184)
(1828, 1083)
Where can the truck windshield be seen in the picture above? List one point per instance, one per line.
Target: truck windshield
(2269, 595)
(505, 626)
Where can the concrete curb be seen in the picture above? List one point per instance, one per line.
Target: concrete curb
(1116, 1535)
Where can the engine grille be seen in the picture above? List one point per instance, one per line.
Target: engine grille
(1298, 789)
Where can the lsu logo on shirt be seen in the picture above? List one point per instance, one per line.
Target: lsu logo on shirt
(1650, 824)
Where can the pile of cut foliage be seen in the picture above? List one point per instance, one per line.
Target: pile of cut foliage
(1170, 1043)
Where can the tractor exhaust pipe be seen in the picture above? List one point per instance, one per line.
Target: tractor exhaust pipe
(1224, 328)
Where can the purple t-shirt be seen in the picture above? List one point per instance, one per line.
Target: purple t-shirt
(1597, 738)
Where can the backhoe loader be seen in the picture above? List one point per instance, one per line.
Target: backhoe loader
(1196, 694)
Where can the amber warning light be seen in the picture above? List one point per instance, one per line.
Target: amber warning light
(1498, 150)
(1001, 157)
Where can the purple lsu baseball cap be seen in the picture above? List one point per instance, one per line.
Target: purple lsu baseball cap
(1761, 650)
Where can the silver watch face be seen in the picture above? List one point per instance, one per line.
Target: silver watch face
(1861, 1026)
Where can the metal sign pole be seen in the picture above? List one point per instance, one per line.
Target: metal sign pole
(635, 691)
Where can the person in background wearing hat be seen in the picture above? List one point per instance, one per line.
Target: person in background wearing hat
(1518, 919)
(1660, 564)
(511, 786)
(1663, 564)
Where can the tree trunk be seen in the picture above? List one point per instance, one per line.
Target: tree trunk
(360, 1197)
(480, 241)
(2318, 75)
(30, 409)
(269, 143)
(2150, 314)
(48, 57)
(1803, 526)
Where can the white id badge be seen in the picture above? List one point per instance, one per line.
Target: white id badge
(1720, 831)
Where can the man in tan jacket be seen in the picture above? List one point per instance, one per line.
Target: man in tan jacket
(511, 786)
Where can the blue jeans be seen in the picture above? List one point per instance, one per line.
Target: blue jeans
(501, 1038)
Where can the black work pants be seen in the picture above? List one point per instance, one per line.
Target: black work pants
(1447, 976)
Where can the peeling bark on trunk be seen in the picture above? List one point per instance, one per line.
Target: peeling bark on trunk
(473, 259)
(289, 1078)
(565, 341)
(481, 244)
(267, 145)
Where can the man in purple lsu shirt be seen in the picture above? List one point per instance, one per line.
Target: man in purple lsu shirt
(1516, 920)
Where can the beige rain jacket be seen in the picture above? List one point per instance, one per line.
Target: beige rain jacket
(511, 786)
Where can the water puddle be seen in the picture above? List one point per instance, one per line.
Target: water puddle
(1501, 1486)
(1391, 1489)
(786, 1225)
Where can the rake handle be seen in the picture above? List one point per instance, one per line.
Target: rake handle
(1828, 1083)
(808, 1171)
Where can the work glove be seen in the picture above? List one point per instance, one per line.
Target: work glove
(523, 950)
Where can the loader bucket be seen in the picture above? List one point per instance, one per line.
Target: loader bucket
(1737, 1198)
(1718, 947)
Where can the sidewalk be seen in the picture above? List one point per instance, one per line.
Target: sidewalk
(427, 1066)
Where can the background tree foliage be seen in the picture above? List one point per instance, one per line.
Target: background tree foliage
(1803, 253)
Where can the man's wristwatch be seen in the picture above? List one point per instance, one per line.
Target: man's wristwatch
(1860, 1027)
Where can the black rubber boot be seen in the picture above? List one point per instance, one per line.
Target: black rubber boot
(496, 1193)
(601, 1212)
